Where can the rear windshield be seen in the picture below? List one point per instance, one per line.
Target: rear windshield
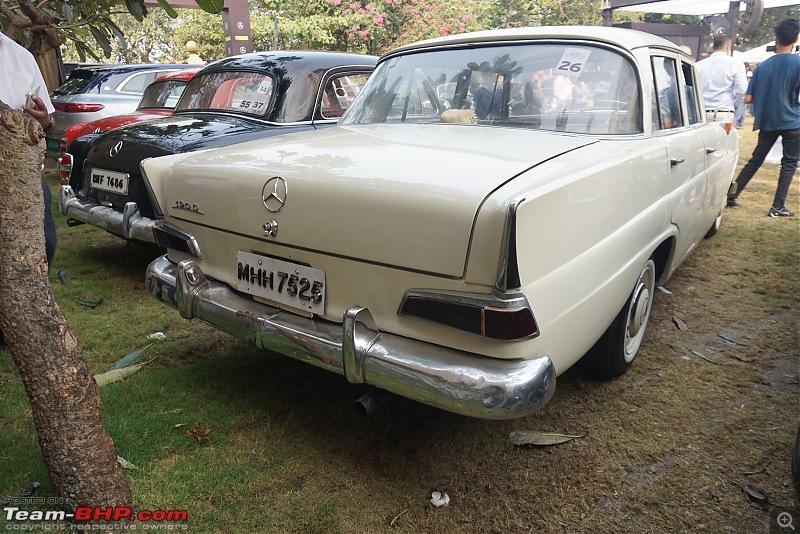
(568, 87)
(80, 81)
(162, 94)
(248, 93)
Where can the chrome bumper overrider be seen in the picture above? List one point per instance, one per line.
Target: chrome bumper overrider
(127, 223)
(453, 380)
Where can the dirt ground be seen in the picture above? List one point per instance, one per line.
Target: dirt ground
(698, 435)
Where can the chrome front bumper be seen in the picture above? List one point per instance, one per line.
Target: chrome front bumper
(452, 380)
(127, 223)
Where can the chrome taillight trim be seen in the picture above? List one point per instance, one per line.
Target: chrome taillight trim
(507, 269)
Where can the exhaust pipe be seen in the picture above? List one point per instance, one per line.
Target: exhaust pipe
(74, 222)
(374, 399)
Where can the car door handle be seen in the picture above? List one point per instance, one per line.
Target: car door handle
(710, 150)
(675, 161)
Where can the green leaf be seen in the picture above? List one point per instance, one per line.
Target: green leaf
(66, 12)
(126, 361)
(137, 9)
(123, 43)
(102, 40)
(211, 6)
(168, 8)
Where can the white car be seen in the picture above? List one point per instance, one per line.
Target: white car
(492, 207)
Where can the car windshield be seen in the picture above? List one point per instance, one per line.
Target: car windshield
(574, 88)
(162, 94)
(244, 92)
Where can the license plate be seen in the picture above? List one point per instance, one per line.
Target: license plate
(293, 285)
(112, 181)
(52, 144)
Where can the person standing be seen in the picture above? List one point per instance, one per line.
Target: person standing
(724, 81)
(774, 91)
(22, 78)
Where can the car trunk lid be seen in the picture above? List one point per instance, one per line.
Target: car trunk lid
(398, 195)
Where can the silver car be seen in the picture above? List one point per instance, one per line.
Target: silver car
(92, 93)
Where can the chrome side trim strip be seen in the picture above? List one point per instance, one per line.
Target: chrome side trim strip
(453, 380)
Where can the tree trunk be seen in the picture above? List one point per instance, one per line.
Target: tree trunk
(64, 397)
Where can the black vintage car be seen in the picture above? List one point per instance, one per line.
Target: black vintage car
(233, 100)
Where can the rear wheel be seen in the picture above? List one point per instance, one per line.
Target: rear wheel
(715, 227)
(613, 353)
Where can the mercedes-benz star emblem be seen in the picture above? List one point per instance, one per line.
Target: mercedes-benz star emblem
(115, 149)
(274, 194)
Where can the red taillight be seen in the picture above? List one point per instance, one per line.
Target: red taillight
(78, 108)
(63, 145)
(65, 168)
(472, 315)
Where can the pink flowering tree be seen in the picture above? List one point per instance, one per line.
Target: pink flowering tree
(368, 26)
(425, 19)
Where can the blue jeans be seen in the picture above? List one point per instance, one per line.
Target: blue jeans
(50, 238)
(791, 153)
(740, 116)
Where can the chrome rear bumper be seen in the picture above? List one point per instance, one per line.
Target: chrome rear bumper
(127, 223)
(449, 379)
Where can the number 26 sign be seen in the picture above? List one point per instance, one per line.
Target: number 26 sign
(572, 62)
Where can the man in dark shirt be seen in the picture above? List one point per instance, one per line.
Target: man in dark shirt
(774, 91)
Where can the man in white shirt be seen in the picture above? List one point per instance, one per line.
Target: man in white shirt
(22, 87)
(724, 81)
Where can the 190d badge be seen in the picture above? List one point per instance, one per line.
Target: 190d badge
(274, 194)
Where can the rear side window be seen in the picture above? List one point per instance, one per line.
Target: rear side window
(162, 94)
(243, 92)
(691, 92)
(137, 82)
(339, 93)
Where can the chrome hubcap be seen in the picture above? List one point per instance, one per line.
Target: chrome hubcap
(639, 310)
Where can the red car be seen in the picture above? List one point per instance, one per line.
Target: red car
(158, 100)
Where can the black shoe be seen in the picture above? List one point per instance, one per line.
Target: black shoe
(782, 212)
(732, 202)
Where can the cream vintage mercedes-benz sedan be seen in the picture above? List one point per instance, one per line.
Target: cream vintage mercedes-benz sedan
(492, 207)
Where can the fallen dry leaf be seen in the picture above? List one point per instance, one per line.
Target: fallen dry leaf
(683, 327)
(532, 437)
(125, 464)
(115, 375)
(731, 339)
(703, 356)
(200, 433)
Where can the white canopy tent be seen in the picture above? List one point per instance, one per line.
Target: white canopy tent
(700, 8)
(758, 54)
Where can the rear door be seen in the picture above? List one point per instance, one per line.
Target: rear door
(677, 128)
(718, 163)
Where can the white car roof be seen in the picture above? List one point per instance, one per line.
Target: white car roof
(623, 37)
